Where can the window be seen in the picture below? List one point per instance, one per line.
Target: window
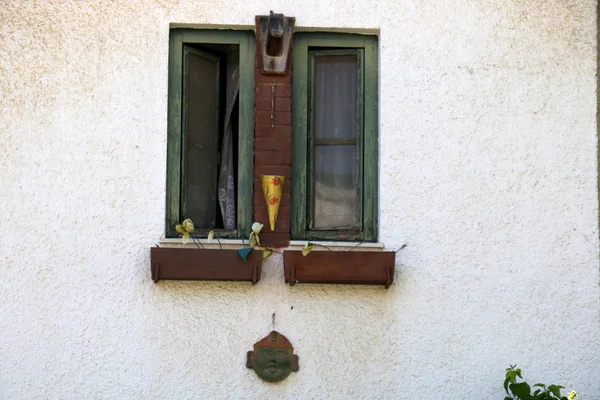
(334, 178)
(210, 130)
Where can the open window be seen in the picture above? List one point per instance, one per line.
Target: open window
(210, 137)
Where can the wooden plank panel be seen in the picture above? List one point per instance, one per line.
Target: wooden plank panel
(342, 267)
(204, 264)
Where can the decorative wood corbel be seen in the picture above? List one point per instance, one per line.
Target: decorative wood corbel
(274, 33)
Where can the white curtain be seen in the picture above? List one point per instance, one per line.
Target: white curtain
(226, 186)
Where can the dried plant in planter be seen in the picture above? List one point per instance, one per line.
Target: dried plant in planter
(187, 229)
(339, 267)
(201, 263)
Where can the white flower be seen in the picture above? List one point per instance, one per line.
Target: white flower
(256, 228)
(185, 229)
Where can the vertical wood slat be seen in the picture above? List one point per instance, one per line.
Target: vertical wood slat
(299, 136)
(371, 142)
(246, 135)
(173, 183)
(360, 134)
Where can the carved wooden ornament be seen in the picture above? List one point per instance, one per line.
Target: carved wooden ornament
(274, 33)
(273, 358)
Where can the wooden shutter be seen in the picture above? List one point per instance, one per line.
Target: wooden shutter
(201, 126)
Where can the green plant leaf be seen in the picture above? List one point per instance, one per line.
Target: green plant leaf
(266, 252)
(521, 390)
(307, 249)
(555, 389)
(211, 236)
(506, 382)
(244, 252)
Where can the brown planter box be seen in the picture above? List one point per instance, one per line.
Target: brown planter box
(348, 267)
(204, 265)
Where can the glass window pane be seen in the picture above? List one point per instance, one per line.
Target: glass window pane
(335, 91)
(336, 199)
(202, 137)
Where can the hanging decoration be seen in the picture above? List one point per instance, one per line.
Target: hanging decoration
(273, 358)
(273, 188)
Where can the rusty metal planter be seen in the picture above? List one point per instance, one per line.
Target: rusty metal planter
(170, 263)
(346, 267)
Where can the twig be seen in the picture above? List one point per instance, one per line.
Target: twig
(273, 317)
(321, 245)
(354, 247)
(197, 242)
(401, 247)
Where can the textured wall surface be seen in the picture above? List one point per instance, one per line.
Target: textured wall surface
(488, 170)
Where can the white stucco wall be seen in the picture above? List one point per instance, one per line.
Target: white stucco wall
(488, 171)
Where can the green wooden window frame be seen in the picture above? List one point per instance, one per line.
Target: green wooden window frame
(306, 45)
(178, 38)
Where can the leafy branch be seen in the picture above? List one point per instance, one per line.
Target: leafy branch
(522, 390)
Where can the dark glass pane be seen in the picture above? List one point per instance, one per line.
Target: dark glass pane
(202, 139)
(336, 199)
(335, 92)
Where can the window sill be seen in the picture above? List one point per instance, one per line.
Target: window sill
(176, 242)
(331, 245)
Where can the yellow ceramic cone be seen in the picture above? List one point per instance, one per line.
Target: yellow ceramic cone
(273, 188)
